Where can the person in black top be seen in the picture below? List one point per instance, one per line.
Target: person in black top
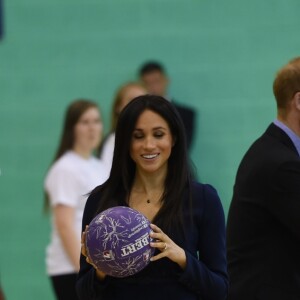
(150, 173)
(156, 81)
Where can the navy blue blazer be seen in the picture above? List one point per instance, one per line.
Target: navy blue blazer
(263, 226)
(205, 276)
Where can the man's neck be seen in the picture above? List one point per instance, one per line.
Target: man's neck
(291, 122)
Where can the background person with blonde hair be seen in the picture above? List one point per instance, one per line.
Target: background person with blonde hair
(123, 96)
(73, 174)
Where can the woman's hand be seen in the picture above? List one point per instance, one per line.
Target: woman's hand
(167, 247)
(100, 274)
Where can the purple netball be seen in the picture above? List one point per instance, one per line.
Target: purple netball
(118, 241)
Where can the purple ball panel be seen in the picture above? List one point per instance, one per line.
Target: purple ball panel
(118, 241)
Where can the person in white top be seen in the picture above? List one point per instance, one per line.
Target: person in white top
(74, 173)
(123, 96)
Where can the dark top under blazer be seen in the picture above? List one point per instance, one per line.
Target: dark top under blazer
(204, 277)
(188, 117)
(263, 228)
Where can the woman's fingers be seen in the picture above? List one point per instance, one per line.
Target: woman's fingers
(83, 238)
(162, 246)
(155, 228)
(157, 233)
(167, 247)
(160, 239)
(99, 273)
(83, 247)
(158, 256)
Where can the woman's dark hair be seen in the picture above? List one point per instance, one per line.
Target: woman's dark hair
(116, 190)
(67, 139)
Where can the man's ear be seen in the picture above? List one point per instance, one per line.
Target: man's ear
(297, 100)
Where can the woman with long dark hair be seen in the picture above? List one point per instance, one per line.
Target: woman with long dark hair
(74, 172)
(150, 173)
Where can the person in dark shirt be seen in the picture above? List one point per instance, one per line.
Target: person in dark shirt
(263, 228)
(150, 173)
(155, 79)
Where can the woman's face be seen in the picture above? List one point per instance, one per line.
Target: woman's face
(88, 130)
(151, 143)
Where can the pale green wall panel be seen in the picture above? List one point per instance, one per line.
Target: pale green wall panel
(221, 57)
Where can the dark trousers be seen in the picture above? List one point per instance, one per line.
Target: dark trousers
(64, 286)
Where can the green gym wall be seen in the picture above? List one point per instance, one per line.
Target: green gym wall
(221, 57)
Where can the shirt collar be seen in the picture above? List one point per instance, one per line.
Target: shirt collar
(292, 135)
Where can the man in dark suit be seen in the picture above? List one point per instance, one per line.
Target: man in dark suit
(263, 228)
(156, 81)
